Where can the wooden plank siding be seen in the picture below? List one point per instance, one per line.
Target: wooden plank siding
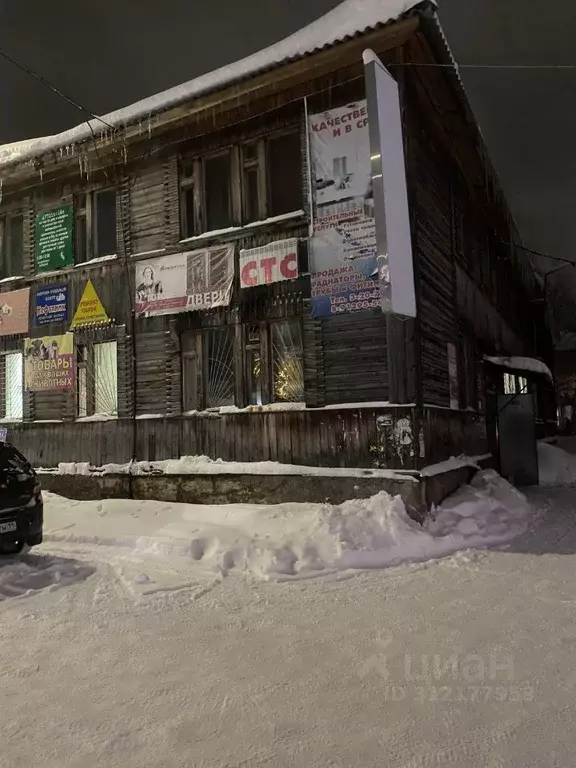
(468, 292)
(332, 438)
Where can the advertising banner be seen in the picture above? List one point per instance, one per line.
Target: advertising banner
(49, 363)
(270, 263)
(350, 285)
(185, 282)
(14, 312)
(90, 310)
(51, 304)
(54, 239)
(343, 257)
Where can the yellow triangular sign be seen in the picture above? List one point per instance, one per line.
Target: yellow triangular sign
(90, 310)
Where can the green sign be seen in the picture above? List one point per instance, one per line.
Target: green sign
(54, 239)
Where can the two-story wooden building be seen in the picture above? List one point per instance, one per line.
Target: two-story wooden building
(161, 294)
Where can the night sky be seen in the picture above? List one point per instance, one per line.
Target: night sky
(108, 54)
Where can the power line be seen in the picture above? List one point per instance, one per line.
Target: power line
(458, 65)
(46, 83)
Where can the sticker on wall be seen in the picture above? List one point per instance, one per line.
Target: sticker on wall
(49, 363)
(51, 304)
(14, 312)
(90, 310)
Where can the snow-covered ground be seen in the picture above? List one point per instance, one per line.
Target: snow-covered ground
(158, 634)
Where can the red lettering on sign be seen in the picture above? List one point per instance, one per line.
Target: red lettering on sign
(289, 266)
(266, 265)
(247, 276)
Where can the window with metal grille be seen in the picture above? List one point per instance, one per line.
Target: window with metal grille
(287, 361)
(219, 367)
(97, 379)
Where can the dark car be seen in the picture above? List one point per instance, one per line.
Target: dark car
(21, 505)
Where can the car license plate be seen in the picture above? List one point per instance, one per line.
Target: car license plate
(8, 527)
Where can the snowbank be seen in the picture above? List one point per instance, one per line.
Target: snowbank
(202, 465)
(294, 540)
(555, 466)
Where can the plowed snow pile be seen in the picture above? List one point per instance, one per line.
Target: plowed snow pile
(294, 540)
(555, 466)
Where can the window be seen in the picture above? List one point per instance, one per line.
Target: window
(509, 384)
(217, 191)
(287, 362)
(219, 367)
(95, 225)
(272, 365)
(13, 386)
(11, 245)
(189, 215)
(253, 192)
(284, 165)
(266, 173)
(97, 379)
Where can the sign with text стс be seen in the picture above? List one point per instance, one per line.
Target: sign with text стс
(54, 239)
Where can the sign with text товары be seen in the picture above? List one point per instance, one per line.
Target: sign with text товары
(54, 249)
(49, 363)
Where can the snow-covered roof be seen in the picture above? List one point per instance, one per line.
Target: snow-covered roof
(350, 18)
(527, 364)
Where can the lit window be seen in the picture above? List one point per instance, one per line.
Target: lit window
(13, 390)
(287, 361)
(97, 379)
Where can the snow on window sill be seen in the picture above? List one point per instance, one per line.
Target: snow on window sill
(97, 417)
(12, 279)
(245, 227)
(97, 260)
(145, 416)
(11, 421)
(155, 252)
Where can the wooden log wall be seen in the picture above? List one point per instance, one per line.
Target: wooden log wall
(362, 437)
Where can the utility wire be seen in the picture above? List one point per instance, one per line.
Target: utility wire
(46, 83)
(458, 65)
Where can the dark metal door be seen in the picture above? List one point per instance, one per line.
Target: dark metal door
(517, 439)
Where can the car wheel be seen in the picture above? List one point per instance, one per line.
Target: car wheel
(12, 547)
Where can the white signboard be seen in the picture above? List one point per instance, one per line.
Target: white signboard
(393, 235)
(185, 282)
(270, 263)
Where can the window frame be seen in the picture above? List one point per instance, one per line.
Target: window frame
(86, 210)
(248, 340)
(192, 174)
(6, 256)
(86, 373)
